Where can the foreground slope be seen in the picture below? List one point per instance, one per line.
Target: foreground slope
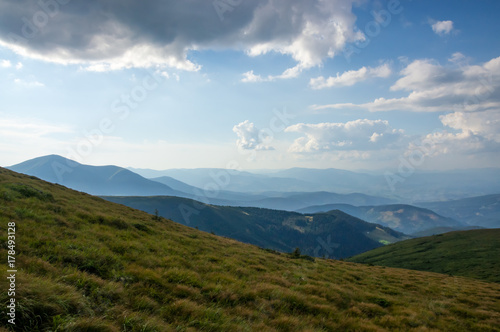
(332, 235)
(85, 264)
(473, 253)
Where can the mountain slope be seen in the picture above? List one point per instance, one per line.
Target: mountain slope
(479, 211)
(335, 235)
(471, 253)
(400, 217)
(96, 180)
(85, 264)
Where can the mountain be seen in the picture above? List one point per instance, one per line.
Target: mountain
(231, 180)
(85, 264)
(419, 186)
(471, 254)
(335, 234)
(219, 196)
(403, 218)
(294, 201)
(96, 180)
(481, 211)
(332, 179)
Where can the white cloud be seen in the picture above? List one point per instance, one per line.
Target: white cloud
(129, 34)
(5, 64)
(442, 27)
(475, 133)
(19, 65)
(28, 84)
(350, 77)
(250, 138)
(432, 87)
(250, 77)
(362, 134)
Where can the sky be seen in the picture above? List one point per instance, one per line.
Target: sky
(261, 84)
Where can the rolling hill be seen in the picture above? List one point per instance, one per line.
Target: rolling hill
(480, 211)
(407, 219)
(95, 180)
(334, 235)
(473, 253)
(85, 264)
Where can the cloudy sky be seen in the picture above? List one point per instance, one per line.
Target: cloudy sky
(351, 84)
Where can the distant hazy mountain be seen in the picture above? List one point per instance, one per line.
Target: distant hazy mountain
(296, 201)
(480, 211)
(332, 179)
(335, 234)
(410, 187)
(220, 196)
(96, 180)
(403, 218)
(231, 180)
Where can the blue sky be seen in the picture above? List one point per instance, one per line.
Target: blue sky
(257, 84)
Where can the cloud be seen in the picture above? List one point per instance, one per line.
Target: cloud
(432, 87)
(350, 77)
(474, 133)
(250, 77)
(28, 84)
(5, 64)
(442, 27)
(19, 65)
(362, 134)
(113, 35)
(250, 138)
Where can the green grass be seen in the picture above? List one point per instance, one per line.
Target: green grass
(85, 264)
(473, 253)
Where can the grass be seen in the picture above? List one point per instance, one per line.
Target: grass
(473, 253)
(85, 264)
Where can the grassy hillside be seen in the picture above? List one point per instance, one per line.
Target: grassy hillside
(85, 264)
(473, 253)
(333, 235)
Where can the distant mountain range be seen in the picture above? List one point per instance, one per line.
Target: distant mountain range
(420, 186)
(479, 211)
(117, 181)
(403, 218)
(95, 180)
(335, 234)
(296, 189)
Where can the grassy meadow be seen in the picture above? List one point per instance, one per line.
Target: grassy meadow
(85, 264)
(473, 253)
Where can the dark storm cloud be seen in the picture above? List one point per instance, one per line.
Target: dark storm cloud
(127, 33)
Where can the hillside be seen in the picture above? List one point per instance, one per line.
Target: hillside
(85, 264)
(471, 253)
(400, 217)
(95, 180)
(334, 235)
(479, 211)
